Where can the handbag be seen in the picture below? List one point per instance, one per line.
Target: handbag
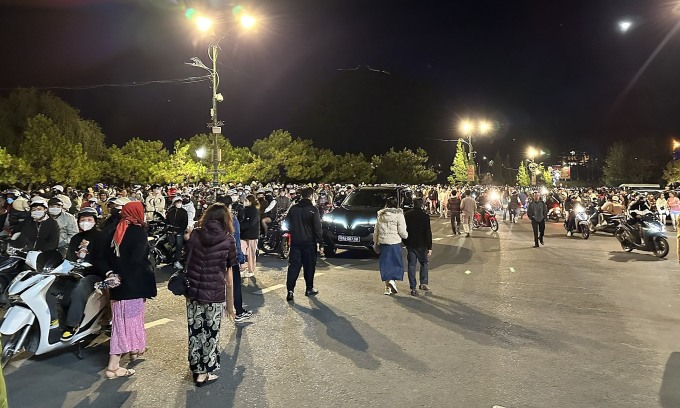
(178, 283)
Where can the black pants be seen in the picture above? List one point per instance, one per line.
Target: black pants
(455, 222)
(539, 230)
(238, 298)
(301, 256)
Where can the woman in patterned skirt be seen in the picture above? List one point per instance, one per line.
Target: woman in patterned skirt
(212, 253)
(128, 265)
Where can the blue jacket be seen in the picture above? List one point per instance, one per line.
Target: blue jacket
(237, 236)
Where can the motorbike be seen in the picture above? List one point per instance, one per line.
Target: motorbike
(162, 243)
(580, 220)
(649, 236)
(277, 240)
(611, 222)
(555, 212)
(487, 219)
(27, 323)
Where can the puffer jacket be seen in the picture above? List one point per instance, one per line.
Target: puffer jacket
(213, 250)
(390, 228)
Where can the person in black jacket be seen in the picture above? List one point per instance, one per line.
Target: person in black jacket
(250, 232)
(304, 224)
(178, 218)
(418, 244)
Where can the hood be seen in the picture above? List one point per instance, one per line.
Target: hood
(211, 233)
(389, 214)
(305, 202)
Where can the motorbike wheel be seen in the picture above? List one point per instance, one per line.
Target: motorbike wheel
(585, 233)
(661, 247)
(494, 225)
(626, 247)
(284, 250)
(8, 349)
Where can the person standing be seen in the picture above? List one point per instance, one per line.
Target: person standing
(537, 211)
(128, 265)
(454, 207)
(178, 217)
(212, 254)
(467, 210)
(250, 232)
(68, 227)
(390, 230)
(155, 202)
(304, 223)
(673, 205)
(418, 244)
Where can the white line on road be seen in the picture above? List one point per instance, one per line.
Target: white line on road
(468, 272)
(437, 239)
(512, 269)
(157, 323)
(343, 266)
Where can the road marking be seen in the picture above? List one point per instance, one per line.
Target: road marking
(497, 406)
(468, 272)
(450, 235)
(157, 323)
(512, 269)
(445, 223)
(437, 239)
(279, 286)
(343, 266)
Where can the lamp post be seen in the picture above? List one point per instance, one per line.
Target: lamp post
(532, 152)
(468, 127)
(204, 24)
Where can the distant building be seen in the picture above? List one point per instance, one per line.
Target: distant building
(574, 158)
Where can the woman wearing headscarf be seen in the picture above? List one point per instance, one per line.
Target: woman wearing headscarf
(131, 272)
(212, 253)
(390, 229)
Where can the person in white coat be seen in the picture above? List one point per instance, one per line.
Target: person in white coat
(155, 202)
(390, 230)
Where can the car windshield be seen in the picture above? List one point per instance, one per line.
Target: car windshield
(369, 198)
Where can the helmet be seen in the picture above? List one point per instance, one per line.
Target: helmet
(38, 201)
(87, 212)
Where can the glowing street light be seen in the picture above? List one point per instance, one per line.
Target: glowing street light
(467, 127)
(625, 25)
(248, 21)
(201, 152)
(203, 23)
(676, 145)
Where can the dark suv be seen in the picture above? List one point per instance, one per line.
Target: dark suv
(351, 224)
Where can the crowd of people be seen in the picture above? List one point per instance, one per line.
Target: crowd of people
(217, 232)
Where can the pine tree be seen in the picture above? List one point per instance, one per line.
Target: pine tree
(497, 170)
(523, 179)
(459, 166)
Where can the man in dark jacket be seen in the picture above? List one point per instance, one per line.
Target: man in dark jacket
(304, 224)
(418, 244)
(537, 211)
(178, 218)
(454, 207)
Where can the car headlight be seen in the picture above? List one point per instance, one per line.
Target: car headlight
(327, 218)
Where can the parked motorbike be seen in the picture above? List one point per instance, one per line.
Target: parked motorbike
(647, 234)
(277, 239)
(580, 220)
(611, 222)
(487, 219)
(27, 323)
(162, 242)
(555, 212)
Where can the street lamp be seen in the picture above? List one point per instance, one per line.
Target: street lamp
(468, 127)
(204, 24)
(201, 152)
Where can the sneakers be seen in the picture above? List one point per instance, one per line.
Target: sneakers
(178, 265)
(467, 235)
(424, 287)
(541, 241)
(243, 316)
(569, 233)
(290, 295)
(414, 292)
(388, 291)
(311, 292)
(54, 324)
(68, 333)
(392, 285)
(248, 274)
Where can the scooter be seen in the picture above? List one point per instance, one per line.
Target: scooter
(555, 212)
(650, 237)
(611, 222)
(488, 219)
(162, 243)
(277, 239)
(580, 220)
(27, 323)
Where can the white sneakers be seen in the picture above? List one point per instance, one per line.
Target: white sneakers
(178, 265)
(393, 286)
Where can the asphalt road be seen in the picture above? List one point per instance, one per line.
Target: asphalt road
(576, 323)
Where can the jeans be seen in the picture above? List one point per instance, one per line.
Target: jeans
(75, 296)
(238, 298)
(455, 222)
(301, 256)
(414, 255)
(179, 238)
(539, 230)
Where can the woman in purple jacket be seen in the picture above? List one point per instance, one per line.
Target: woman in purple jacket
(212, 253)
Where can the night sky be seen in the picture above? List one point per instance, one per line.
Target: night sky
(555, 74)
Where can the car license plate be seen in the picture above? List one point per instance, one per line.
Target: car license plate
(348, 238)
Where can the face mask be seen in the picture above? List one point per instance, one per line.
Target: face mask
(115, 211)
(86, 225)
(37, 214)
(157, 191)
(234, 199)
(10, 200)
(54, 211)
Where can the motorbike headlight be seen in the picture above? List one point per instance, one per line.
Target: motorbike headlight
(488, 206)
(284, 226)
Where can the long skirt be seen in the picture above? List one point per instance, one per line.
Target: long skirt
(391, 263)
(204, 332)
(127, 326)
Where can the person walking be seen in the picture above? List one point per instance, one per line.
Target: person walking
(178, 217)
(390, 230)
(130, 269)
(304, 223)
(418, 245)
(212, 254)
(454, 207)
(537, 212)
(467, 210)
(250, 232)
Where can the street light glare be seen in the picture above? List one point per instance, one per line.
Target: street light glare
(248, 21)
(203, 23)
(484, 127)
(466, 127)
(625, 25)
(532, 152)
(200, 152)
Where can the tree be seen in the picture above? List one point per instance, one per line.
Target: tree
(181, 166)
(547, 176)
(11, 168)
(672, 172)
(459, 165)
(350, 168)
(136, 161)
(497, 170)
(403, 166)
(523, 179)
